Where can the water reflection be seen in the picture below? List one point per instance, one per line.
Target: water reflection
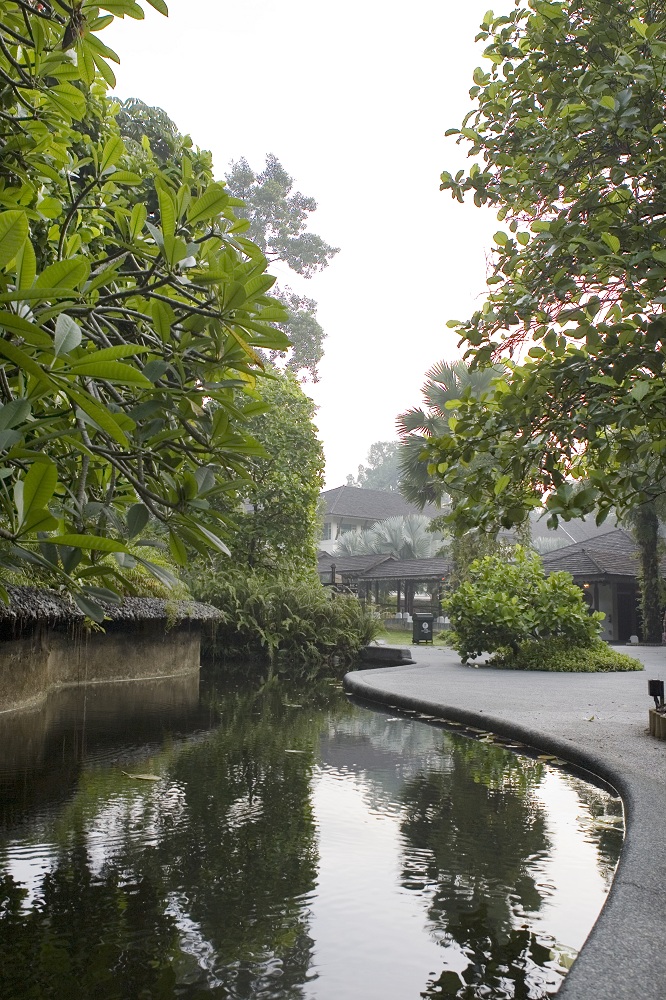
(294, 847)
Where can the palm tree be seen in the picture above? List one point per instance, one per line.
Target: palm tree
(403, 537)
(445, 383)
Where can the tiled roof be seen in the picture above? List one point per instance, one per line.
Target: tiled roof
(579, 529)
(371, 505)
(611, 554)
(410, 569)
(351, 565)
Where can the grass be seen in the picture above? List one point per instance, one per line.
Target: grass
(403, 637)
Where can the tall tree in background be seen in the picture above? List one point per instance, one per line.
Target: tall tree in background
(278, 219)
(568, 139)
(382, 471)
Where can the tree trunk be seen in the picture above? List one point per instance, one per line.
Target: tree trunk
(646, 532)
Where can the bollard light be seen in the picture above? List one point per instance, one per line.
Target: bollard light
(656, 691)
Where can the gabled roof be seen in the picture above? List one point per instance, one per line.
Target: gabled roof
(612, 554)
(351, 565)
(579, 529)
(410, 569)
(371, 505)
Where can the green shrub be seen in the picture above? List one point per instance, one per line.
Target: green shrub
(559, 654)
(292, 626)
(507, 603)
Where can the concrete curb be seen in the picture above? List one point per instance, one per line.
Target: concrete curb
(598, 722)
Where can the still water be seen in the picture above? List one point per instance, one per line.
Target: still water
(295, 847)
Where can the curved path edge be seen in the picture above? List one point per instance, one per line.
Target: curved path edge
(597, 722)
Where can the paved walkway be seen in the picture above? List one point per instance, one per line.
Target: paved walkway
(598, 721)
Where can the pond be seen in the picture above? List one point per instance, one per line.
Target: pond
(294, 847)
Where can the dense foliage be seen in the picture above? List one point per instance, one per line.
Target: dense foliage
(128, 299)
(277, 525)
(506, 604)
(286, 625)
(569, 143)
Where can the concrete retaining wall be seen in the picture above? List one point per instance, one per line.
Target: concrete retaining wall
(47, 659)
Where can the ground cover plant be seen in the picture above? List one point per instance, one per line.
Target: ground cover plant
(527, 620)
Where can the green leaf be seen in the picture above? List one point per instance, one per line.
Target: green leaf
(137, 518)
(211, 203)
(67, 335)
(611, 241)
(13, 234)
(114, 147)
(67, 100)
(123, 177)
(211, 538)
(70, 273)
(159, 572)
(501, 485)
(639, 390)
(38, 519)
(177, 549)
(113, 353)
(88, 542)
(26, 265)
(163, 316)
(14, 413)
(23, 361)
(122, 7)
(32, 334)
(160, 6)
(167, 209)
(100, 416)
(89, 607)
(137, 219)
(608, 102)
(38, 487)
(110, 371)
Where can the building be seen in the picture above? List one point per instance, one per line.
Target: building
(606, 567)
(349, 508)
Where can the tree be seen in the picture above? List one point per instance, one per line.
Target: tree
(278, 527)
(569, 144)
(128, 298)
(407, 537)
(507, 603)
(382, 471)
(445, 384)
(278, 218)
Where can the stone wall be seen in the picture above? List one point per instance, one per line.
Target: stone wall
(46, 659)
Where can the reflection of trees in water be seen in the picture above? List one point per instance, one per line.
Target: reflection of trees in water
(472, 833)
(212, 901)
(602, 820)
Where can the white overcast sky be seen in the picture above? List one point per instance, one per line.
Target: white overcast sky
(354, 99)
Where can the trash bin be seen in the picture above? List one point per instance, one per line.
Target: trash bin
(422, 628)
